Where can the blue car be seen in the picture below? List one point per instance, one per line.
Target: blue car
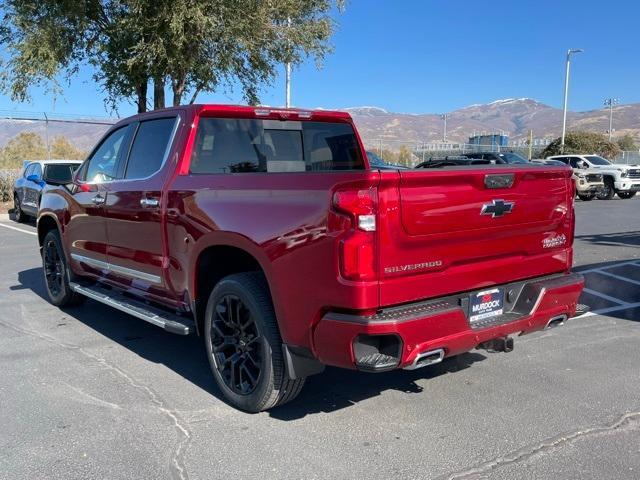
(28, 187)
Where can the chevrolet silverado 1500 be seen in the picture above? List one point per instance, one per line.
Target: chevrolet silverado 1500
(267, 232)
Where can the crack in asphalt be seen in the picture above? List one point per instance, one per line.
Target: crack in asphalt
(623, 422)
(178, 468)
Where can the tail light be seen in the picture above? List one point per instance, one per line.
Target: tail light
(357, 249)
(571, 204)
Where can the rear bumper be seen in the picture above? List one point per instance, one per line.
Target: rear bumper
(443, 324)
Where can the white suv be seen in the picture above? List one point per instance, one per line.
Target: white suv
(618, 178)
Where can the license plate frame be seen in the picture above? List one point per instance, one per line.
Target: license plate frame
(486, 304)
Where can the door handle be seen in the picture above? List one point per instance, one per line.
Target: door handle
(149, 202)
(98, 200)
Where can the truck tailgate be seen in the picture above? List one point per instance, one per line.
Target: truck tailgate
(451, 230)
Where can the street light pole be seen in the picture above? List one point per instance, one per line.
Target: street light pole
(287, 86)
(444, 132)
(610, 102)
(287, 80)
(566, 95)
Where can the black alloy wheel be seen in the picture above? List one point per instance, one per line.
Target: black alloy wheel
(626, 195)
(54, 267)
(236, 345)
(607, 191)
(586, 198)
(244, 346)
(56, 274)
(18, 215)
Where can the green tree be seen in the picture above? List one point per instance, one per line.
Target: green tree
(62, 148)
(583, 142)
(24, 146)
(191, 45)
(627, 143)
(405, 157)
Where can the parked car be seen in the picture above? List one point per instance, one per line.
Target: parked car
(617, 177)
(266, 232)
(27, 189)
(544, 161)
(589, 181)
(451, 161)
(498, 157)
(376, 161)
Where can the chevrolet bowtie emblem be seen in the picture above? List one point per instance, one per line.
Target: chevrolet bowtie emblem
(497, 208)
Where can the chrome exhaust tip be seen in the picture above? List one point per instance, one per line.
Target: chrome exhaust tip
(556, 321)
(425, 359)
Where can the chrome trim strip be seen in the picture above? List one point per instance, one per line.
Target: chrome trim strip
(90, 261)
(129, 272)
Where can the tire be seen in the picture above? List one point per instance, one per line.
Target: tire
(626, 195)
(586, 198)
(240, 323)
(56, 272)
(608, 191)
(18, 215)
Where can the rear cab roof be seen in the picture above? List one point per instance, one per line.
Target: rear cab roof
(242, 111)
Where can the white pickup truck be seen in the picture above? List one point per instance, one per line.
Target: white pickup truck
(618, 177)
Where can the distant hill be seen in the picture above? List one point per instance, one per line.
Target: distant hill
(82, 135)
(514, 116)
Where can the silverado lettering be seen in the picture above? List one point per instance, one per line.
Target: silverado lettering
(416, 266)
(266, 233)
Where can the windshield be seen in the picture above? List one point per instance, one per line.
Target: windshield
(597, 160)
(513, 158)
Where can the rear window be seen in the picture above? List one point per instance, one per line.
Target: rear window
(60, 171)
(226, 145)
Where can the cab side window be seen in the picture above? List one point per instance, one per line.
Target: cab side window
(103, 164)
(150, 147)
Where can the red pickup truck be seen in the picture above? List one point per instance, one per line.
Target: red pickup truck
(267, 232)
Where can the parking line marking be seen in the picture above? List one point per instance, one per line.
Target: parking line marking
(606, 297)
(624, 279)
(635, 263)
(604, 311)
(17, 229)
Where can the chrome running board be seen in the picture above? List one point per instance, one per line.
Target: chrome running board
(169, 321)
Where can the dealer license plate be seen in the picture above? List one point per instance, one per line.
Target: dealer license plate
(486, 304)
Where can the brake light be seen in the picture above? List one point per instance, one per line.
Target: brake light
(357, 249)
(361, 204)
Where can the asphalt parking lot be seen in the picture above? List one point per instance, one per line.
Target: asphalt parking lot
(92, 393)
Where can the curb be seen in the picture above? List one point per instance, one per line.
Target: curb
(4, 217)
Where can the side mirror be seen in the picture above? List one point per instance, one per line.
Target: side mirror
(582, 164)
(33, 178)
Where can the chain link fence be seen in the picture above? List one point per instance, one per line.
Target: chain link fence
(628, 157)
(82, 132)
(410, 154)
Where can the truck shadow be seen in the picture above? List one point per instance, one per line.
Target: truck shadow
(332, 390)
(337, 388)
(619, 239)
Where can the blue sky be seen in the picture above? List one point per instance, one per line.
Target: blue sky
(425, 56)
